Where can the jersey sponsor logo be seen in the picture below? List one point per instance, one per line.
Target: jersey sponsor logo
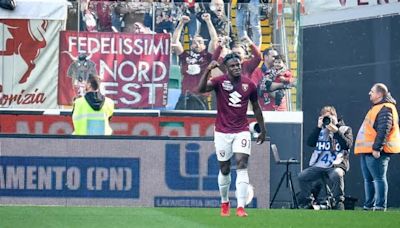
(235, 99)
(245, 87)
(227, 85)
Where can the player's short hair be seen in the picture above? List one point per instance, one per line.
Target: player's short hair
(94, 81)
(231, 56)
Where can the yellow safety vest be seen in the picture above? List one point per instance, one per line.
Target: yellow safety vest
(88, 121)
(366, 135)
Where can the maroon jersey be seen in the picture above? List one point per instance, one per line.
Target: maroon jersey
(232, 102)
(193, 66)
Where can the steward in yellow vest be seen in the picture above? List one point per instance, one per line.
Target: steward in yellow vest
(380, 130)
(92, 113)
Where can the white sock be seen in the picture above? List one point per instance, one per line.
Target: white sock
(242, 186)
(224, 181)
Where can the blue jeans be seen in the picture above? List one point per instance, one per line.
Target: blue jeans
(312, 174)
(252, 10)
(375, 181)
(192, 25)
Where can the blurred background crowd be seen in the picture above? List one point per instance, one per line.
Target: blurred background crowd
(202, 30)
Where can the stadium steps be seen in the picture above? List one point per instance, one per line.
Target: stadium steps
(266, 30)
(293, 58)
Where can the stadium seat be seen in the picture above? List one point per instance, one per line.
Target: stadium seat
(173, 97)
(175, 78)
(286, 175)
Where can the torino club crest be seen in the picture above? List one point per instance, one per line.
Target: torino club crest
(27, 40)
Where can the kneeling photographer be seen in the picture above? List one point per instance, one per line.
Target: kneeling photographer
(329, 162)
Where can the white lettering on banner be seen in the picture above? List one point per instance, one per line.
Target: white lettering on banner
(139, 71)
(41, 178)
(146, 129)
(24, 97)
(31, 177)
(59, 127)
(120, 127)
(119, 45)
(15, 177)
(180, 131)
(59, 177)
(131, 97)
(117, 179)
(98, 177)
(44, 178)
(73, 178)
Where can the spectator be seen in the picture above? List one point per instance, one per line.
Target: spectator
(249, 11)
(249, 61)
(133, 13)
(232, 136)
(194, 62)
(163, 20)
(377, 139)
(332, 140)
(280, 74)
(104, 14)
(88, 17)
(72, 18)
(261, 75)
(91, 114)
(218, 18)
(188, 8)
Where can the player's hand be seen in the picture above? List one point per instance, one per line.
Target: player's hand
(261, 137)
(212, 65)
(185, 19)
(376, 154)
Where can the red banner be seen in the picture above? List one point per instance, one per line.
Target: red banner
(122, 125)
(134, 67)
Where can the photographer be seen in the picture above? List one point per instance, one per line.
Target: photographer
(332, 140)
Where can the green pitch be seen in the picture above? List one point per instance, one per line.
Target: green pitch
(99, 217)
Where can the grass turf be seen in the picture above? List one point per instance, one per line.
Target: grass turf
(35, 216)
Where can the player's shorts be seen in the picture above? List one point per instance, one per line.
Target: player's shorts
(228, 143)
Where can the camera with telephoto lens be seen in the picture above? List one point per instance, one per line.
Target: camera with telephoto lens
(326, 121)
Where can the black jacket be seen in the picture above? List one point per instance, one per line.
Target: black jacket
(383, 123)
(345, 140)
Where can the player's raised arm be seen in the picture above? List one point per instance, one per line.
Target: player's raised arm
(206, 85)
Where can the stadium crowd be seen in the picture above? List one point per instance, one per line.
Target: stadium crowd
(201, 31)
